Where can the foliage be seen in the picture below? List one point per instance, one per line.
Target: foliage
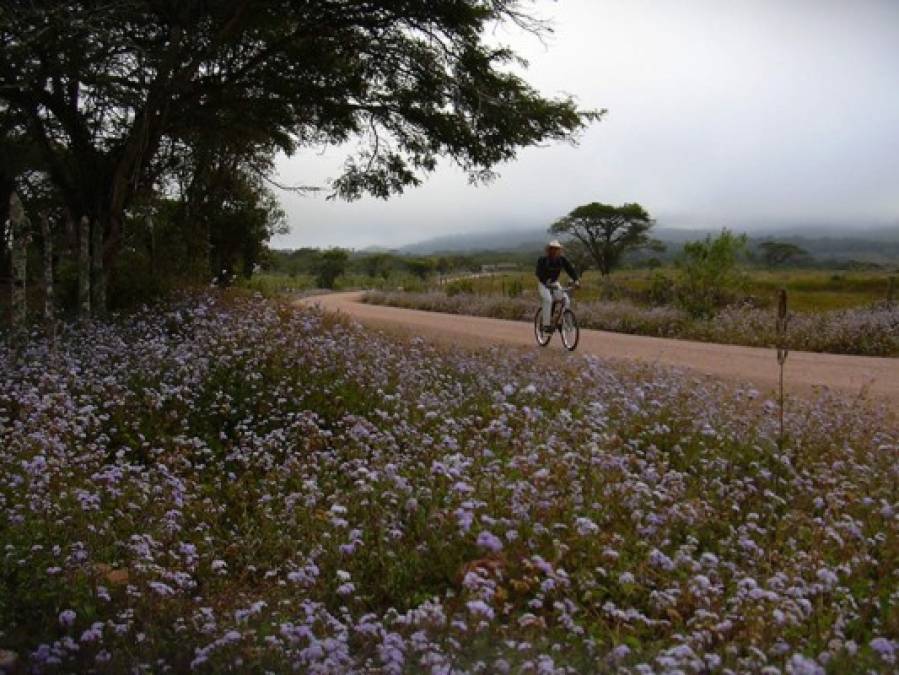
(662, 289)
(579, 255)
(419, 267)
(229, 485)
(459, 286)
(709, 273)
(378, 264)
(607, 232)
(276, 285)
(138, 100)
(330, 265)
(776, 253)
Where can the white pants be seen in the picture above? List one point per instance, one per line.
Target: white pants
(546, 296)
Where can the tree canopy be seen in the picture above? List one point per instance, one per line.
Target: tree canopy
(777, 253)
(118, 97)
(608, 232)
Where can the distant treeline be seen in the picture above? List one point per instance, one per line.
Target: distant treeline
(794, 252)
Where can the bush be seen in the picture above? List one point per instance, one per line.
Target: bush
(661, 289)
(461, 286)
(710, 277)
(516, 288)
(330, 265)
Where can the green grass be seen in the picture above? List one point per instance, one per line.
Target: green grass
(271, 285)
(808, 290)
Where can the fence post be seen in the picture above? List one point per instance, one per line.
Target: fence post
(98, 276)
(783, 318)
(84, 267)
(47, 236)
(19, 226)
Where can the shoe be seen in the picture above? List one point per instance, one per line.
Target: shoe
(547, 329)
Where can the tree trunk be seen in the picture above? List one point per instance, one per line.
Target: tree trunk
(84, 271)
(98, 276)
(18, 222)
(47, 236)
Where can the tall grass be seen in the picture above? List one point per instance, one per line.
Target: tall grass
(872, 331)
(810, 290)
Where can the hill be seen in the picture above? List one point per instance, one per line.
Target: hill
(826, 243)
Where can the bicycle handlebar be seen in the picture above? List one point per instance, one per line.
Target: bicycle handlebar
(559, 287)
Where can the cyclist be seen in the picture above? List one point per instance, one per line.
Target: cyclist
(549, 267)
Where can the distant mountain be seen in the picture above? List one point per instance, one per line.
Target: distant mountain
(495, 240)
(829, 242)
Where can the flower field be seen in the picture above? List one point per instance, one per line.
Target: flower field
(227, 483)
(871, 331)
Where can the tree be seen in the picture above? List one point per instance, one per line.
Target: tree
(106, 90)
(419, 267)
(608, 232)
(579, 255)
(330, 265)
(777, 253)
(710, 273)
(377, 265)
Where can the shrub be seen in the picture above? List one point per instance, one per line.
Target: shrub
(516, 288)
(661, 289)
(330, 265)
(461, 286)
(710, 277)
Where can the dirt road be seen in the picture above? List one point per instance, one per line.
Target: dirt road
(877, 378)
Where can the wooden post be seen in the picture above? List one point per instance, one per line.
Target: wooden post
(782, 353)
(98, 279)
(18, 222)
(47, 236)
(84, 268)
(151, 227)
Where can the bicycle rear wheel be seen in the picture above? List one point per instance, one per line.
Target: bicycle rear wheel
(541, 337)
(571, 334)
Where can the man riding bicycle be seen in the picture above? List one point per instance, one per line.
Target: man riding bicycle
(549, 267)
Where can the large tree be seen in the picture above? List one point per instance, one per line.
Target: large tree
(104, 87)
(776, 253)
(608, 232)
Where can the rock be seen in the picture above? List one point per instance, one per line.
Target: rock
(113, 576)
(117, 577)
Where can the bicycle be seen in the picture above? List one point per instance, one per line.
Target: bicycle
(563, 319)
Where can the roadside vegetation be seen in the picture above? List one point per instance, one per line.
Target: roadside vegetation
(872, 331)
(710, 293)
(228, 483)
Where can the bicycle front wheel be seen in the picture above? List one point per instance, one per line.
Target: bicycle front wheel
(541, 337)
(570, 331)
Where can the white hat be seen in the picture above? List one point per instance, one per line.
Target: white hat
(555, 243)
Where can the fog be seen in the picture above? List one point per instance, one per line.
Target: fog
(748, 113)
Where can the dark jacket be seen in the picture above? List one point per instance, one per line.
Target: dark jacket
(548, 269)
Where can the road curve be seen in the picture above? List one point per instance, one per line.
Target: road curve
(875, 378)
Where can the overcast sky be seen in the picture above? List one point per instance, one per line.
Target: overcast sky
(720, 112)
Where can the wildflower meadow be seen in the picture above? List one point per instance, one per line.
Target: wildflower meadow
(227, 483)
